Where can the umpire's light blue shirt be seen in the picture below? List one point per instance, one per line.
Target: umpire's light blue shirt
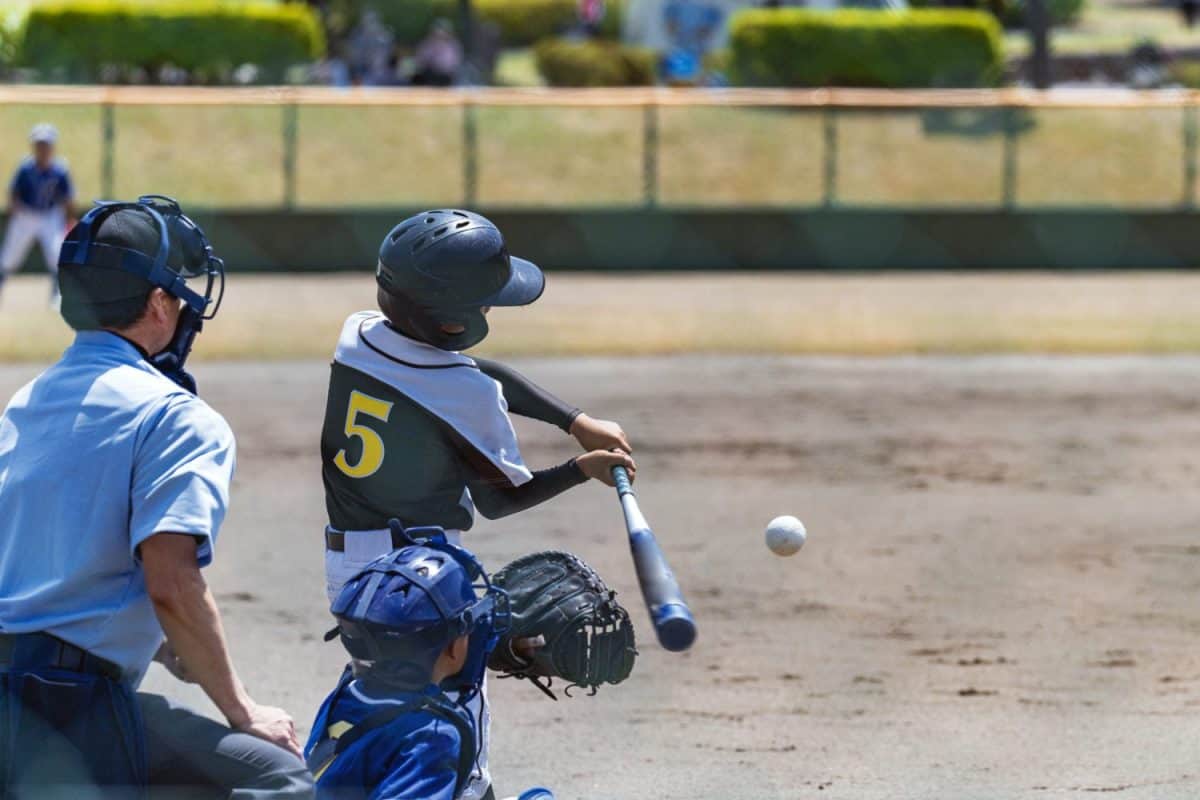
(97, 454)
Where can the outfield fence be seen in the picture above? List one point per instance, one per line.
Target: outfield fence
(294, 148)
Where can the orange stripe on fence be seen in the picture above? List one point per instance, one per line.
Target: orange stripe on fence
(607, 97)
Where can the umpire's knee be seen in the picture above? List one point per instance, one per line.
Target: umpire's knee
(274, 773)
(294, 782)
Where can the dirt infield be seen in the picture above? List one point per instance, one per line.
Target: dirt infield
(998, 598)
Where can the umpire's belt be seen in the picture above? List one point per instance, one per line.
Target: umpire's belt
(335, 540)
(34, 650)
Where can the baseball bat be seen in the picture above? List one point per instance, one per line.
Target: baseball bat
(669, 612)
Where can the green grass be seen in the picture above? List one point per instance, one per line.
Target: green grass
(371, 156)
(405, 156)
(766, 313)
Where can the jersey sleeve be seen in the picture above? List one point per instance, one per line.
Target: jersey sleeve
(182, 470)
(425, 768)
(527, 399)
(497, 500)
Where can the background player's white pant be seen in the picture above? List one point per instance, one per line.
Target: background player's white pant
(363, 547)
(47, 228)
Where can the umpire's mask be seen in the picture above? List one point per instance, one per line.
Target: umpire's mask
(119, 252)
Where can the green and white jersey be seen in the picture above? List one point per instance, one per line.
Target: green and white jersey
(407, 428)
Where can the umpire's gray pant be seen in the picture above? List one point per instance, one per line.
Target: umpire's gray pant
(191, 756)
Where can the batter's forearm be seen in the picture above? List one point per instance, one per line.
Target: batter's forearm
(496, 502)
(525, 398)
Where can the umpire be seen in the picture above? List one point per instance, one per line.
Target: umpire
(114, 481)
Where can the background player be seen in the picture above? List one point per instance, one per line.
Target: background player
(39, 207)
(413, 624)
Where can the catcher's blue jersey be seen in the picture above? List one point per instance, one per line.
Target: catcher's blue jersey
(413, 757)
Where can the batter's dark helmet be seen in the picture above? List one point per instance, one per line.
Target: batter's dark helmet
(441, 268)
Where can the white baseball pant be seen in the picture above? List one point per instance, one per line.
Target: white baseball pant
(47, 228)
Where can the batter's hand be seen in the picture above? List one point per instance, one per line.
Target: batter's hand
(599, 434)
(272, 724)
(598, 464)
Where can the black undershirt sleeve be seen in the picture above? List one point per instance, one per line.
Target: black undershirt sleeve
(495, 501)
(526, 398)
(493, 492)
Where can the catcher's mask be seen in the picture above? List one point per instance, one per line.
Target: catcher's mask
(442, 268)
(81, 250)
(398, 614)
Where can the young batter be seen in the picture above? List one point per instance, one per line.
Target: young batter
(416, 431)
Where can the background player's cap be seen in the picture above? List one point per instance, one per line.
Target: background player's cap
(43, 133)
(525, 284)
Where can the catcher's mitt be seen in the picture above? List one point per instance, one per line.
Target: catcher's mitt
(589, 638)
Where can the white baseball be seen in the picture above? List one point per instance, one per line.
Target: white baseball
(786, 535)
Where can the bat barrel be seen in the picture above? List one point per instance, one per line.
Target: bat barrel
(675, 627)
(669, 612)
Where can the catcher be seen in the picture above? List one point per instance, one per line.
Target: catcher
(400, 723)
(415, 430)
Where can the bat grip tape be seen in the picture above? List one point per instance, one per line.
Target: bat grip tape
(621, 479)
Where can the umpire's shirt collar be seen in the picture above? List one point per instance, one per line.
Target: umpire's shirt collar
(126, 350)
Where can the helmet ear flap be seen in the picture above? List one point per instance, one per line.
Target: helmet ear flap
(475, 329)
(425, 324)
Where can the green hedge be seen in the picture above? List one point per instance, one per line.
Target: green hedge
(9, 43)
(566, 62)
(76, 38)
(521, 22)
(919, 48)
(1185, 73)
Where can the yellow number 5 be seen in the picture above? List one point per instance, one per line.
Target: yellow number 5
(372, 446)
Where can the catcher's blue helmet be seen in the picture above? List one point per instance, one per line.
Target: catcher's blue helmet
(398, 614)
(442, 268)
